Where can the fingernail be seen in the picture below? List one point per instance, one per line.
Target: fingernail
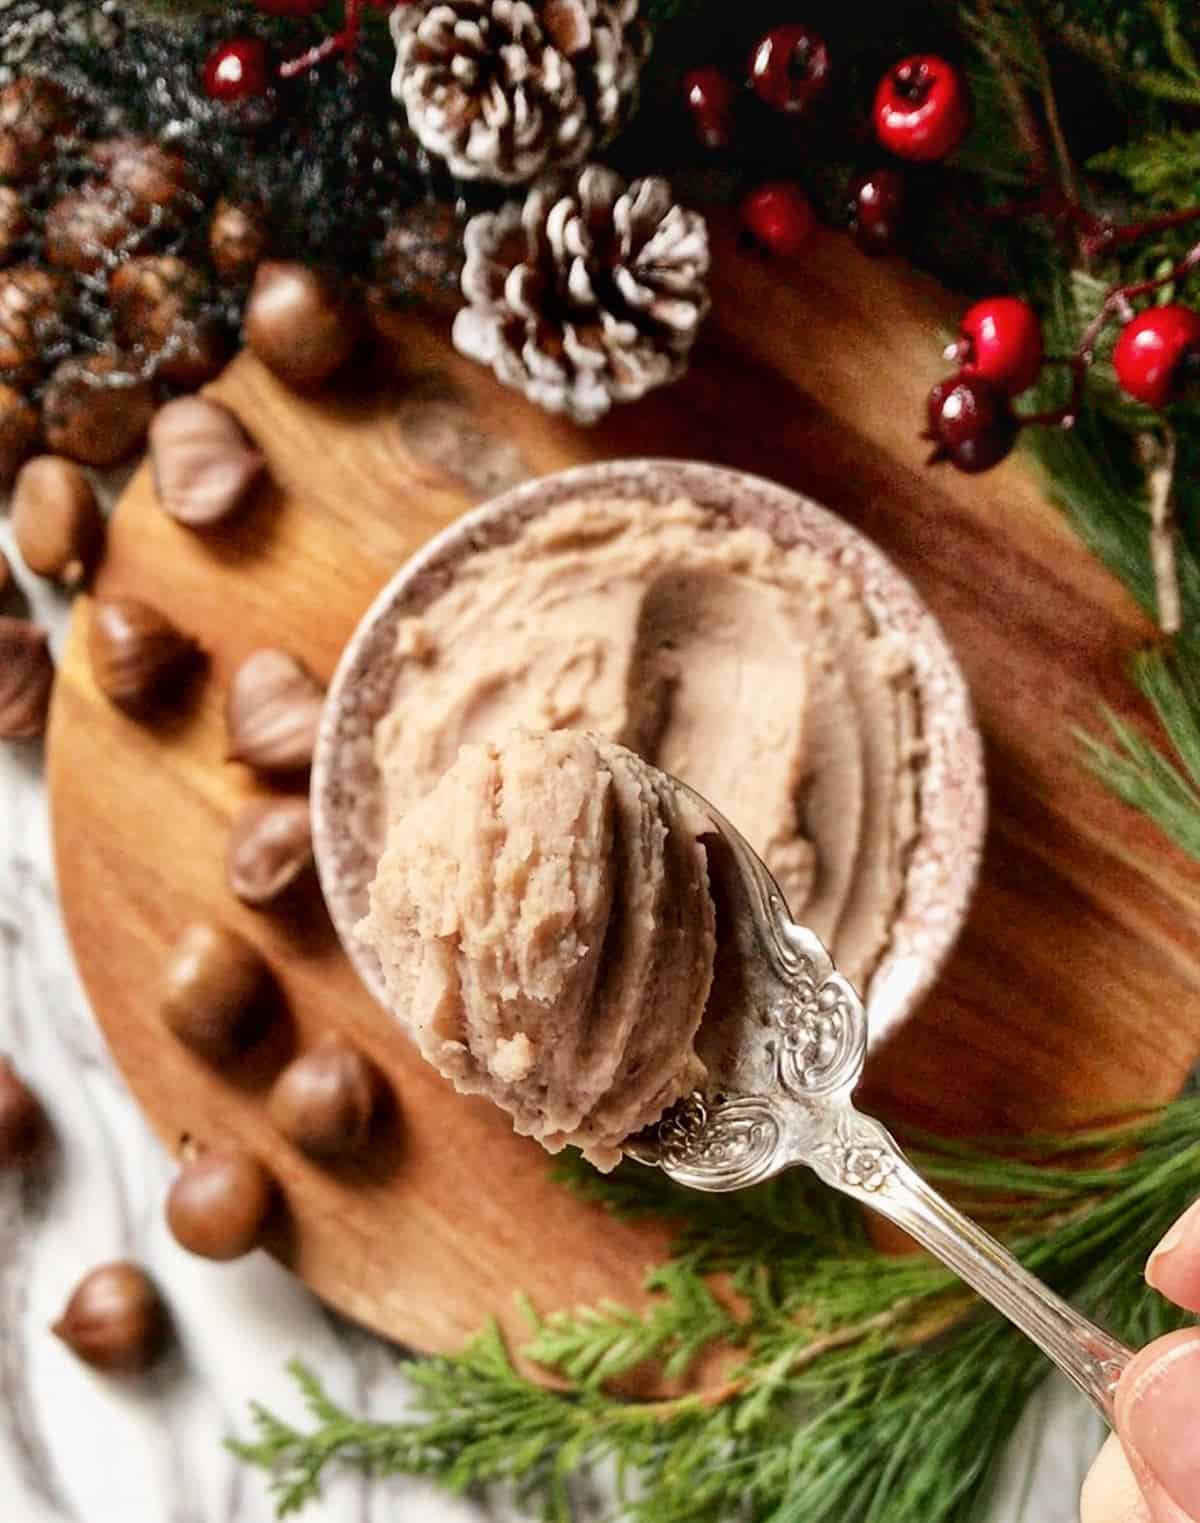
(1161, 1419)
(1185, 1233)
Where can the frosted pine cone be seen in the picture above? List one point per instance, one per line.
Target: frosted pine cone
(588, 293)
(505, 89)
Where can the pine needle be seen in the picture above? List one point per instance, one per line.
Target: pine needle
(1136, 770)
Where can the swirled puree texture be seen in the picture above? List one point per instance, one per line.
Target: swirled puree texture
(544, 924)
(542, 931)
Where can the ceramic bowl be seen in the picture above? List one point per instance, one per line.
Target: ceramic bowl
(347, 806)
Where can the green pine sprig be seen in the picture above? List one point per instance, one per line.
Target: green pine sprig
(862, 1387)
(1136, 769)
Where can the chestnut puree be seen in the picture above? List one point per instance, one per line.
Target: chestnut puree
(540, 929)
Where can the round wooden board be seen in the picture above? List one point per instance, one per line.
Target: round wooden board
(1075, 985)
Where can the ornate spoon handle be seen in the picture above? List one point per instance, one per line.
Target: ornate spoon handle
(859, 1157)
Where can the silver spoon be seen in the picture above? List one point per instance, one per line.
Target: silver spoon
(784, 1056)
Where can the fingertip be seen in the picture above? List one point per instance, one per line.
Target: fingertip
(1110, 1492)
(1156, 1409)
(1174, 1267)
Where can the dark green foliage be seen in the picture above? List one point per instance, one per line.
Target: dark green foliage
(323, 156)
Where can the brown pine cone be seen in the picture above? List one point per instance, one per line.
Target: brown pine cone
(589, 293)
(505, 89)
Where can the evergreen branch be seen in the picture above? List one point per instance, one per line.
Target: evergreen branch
(1179, 49)
(601, 1342)
(1171, 681)
(1003, 45)
(1159, 84)
(870, 1388)
(1138, 773)
(1163, 167)
(1136, 770)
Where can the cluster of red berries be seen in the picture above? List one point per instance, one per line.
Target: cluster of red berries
(921, 113)
(1000, 354)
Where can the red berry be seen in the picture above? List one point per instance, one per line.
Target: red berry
(970, 423)
(778, 218)
(876, 209)
(1001, 340)
(789, 67)
(237, 70)
(1153, 350)
(290, 7)
(921, 109)
(710, 96)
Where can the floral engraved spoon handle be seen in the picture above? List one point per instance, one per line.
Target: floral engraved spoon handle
(861, 1159)
(784, 1054)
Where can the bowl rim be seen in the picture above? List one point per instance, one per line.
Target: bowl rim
(943, 864)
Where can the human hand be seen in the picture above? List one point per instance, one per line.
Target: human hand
(1149, 1470)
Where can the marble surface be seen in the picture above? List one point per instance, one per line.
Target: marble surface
(77, 1446)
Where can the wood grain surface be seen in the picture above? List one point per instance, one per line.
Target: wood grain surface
(1076, 985)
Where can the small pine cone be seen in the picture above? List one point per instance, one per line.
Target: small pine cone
(588, 293)
(506, 89)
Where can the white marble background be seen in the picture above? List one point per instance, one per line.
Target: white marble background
(77, 1446)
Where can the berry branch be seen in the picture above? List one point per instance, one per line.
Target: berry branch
(1117, 302)
(1101, 236)
(343, 41)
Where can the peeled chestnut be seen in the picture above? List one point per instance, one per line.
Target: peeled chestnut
(157, 302)
(297, 325)
(137, 655)
(95, 411)
(85, 230)
(146, 175)
(273, 711)
(270, 846)
(219, 1204)
(33, 113)
(26, 679)
(32, 306)
(19, 430)
(213, 992)
(237, 241)
(325, 1100)
(56, 519)
(115, 1320)
(22, 1120)
(205, 468)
